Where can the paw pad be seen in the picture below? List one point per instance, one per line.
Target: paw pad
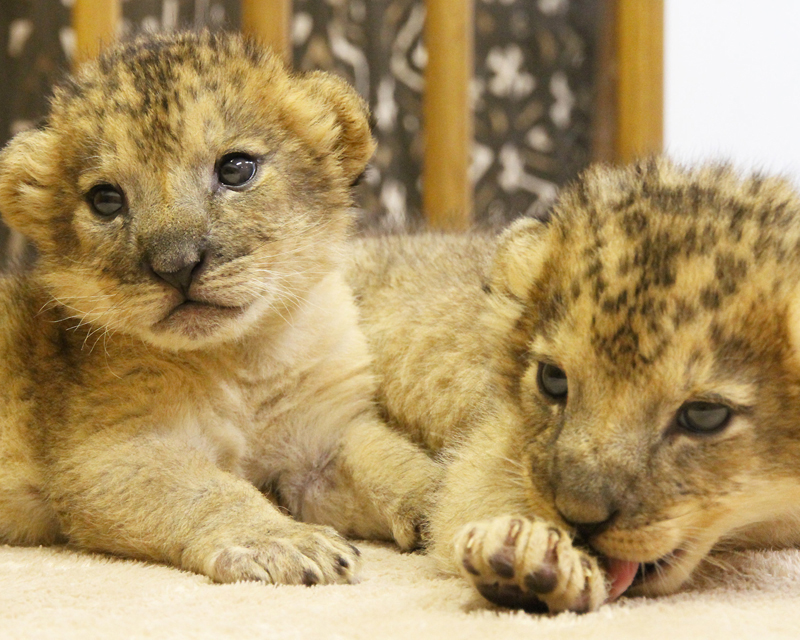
(529, 564)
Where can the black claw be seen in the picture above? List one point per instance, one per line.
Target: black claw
(310, 578)
(470, 567)
(341, 565)
(419, 542)
(355, 550)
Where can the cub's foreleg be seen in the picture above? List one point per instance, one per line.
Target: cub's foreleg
(156, 497)
(376, 485)
(25, 515)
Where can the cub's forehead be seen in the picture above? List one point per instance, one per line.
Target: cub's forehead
(659, 206)
(157, 72)
(654, 222)
(148, 88)
(647, 255)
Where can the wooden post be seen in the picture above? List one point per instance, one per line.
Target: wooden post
(640, 78)
(95, 23)
(447, 114)
(269, 22)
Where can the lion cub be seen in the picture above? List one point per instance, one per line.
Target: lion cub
(186, 338)
(619, 387)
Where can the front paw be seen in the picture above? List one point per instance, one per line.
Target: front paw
(295, 554)
(410, 514)
(409, 522)
(528, 564)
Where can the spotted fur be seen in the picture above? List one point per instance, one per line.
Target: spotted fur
(145, 417)
(651, 287)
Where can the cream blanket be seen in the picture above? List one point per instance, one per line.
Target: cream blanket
(58, 593)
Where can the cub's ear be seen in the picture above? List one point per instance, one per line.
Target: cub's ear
(521, 252)
(26, 184)
(353, 143)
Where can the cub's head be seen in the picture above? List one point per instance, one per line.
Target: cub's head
(185, 186)
(651, 337)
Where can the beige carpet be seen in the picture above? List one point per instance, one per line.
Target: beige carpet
(58, 593)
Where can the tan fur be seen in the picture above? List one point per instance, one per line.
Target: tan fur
(134, 422)
(650, 287)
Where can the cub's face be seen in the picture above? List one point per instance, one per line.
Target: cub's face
(653, 353)
(185, 187)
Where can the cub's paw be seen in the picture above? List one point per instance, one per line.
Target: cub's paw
(409, 523)
(300, 554)
(409, 516)
(529, 564)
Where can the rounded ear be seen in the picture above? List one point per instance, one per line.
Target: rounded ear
(519, 258)
(353, 145)
(25, 184)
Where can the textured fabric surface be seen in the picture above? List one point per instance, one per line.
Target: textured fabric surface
(58, 593)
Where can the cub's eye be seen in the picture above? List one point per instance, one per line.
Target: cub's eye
(106, 200)
(236, 169)
(552, 381)
(704, 417)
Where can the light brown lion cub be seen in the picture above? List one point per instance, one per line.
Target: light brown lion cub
(186, 337)
(619, 387)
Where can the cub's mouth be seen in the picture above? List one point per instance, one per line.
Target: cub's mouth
(629, 574)
(196, 318)
(200, 307)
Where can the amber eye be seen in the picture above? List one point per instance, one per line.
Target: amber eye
(106, 200)
(236, 169)
(704, 418)
(552, 381)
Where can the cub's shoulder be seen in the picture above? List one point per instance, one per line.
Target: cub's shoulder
(421, 298)
(421, 264)
(23, 302)
(31, 330)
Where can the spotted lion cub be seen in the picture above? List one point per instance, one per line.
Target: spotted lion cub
(619, 386)
(186, 338)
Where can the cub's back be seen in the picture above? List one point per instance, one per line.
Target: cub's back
(420, 300)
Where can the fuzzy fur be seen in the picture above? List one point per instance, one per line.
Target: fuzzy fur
(139, 420)
(650, 287)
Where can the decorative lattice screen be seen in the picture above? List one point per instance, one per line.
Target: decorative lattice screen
(534, 86)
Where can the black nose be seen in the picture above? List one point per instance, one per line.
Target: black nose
(590, 515)
(180, 278)
(588, 530)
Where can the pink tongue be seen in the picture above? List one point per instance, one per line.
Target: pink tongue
(621, 573)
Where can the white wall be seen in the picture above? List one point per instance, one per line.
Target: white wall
(732, 82)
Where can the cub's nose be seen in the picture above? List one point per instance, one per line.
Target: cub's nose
(180, 278)
(173, 245)
(589, 517)
(587, 530)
